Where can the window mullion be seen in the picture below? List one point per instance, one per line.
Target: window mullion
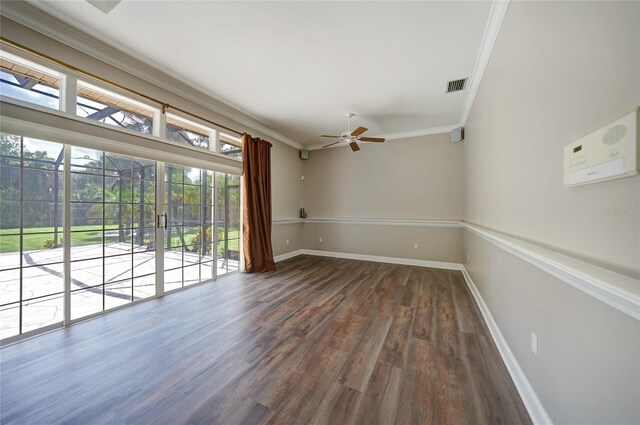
(68, 93)
(160, 124)
(66, 240)
(160, 170)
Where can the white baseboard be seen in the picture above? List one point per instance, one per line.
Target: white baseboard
(380, 259)
(375, 258)
(531, 401)
(287, 255)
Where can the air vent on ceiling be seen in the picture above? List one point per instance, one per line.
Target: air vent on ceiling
(456, 85)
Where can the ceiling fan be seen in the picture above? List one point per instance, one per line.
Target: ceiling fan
(351, 138)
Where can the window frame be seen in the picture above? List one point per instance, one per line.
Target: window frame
(68, 99)
(21, 121)
(116, 94)
(38, 64)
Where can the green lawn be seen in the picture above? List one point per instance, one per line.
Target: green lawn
(10, 240)
(37, 237)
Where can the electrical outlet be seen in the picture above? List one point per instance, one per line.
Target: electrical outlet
(534, 343)
(320, 239)
(468, 256)
(415, 246)
(287, 241)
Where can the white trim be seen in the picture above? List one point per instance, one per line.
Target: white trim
(48, 24)
(280, 221)
(45, 23)
(113, 92)
(287, 255)
(160, 242)
(394, 136)
(529, 397)
(617, 290)
(382, 222)
(31, 128)
(496, 16)
(66, 235)
(381, 259)
(422, 132)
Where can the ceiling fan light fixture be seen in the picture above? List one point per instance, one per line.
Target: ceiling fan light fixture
(349, 137)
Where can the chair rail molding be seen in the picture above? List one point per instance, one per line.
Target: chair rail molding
(617, 290)
(385, 222)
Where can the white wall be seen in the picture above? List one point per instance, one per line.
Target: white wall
(418, 178)
(557, 71)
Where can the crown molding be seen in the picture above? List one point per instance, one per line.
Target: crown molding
(47, 24)
(494, 23)
(423, 132)
(396, 136)
(496, 16)
(50, 26)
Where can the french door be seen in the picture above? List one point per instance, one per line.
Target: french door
(84, 231)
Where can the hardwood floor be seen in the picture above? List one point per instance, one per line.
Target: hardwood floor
(320, 341)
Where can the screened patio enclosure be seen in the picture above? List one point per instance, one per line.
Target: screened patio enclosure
(83, 231)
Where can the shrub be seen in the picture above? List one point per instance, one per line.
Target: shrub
(50, 243)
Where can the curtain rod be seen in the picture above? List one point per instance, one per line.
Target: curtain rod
(164, 105)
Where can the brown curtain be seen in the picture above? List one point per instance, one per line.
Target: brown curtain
(256, 210)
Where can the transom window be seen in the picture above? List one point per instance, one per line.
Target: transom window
(230, 146)
(27, 81)
(101, 105)
(186, 132)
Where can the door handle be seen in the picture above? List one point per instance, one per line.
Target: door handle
(165, 220)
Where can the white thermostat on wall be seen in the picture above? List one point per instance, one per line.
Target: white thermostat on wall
(610, 152)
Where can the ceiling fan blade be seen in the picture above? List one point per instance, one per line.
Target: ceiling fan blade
(371, 139)
(331, 144)
(354, 146)
(333, 137)
(358, 131)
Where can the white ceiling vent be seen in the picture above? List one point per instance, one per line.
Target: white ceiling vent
(456, 85)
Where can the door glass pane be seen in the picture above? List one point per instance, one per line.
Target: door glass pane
(9, 286)
(144, 287)
(9, 320)
(118, 293)
(228, 223)
(113, 234)
(31, 233)
(42, 312)
(189, 203)
(86, 301)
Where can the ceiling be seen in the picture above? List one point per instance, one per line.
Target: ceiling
(298, 67)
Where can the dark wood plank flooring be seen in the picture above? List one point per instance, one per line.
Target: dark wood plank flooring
(320, 341)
